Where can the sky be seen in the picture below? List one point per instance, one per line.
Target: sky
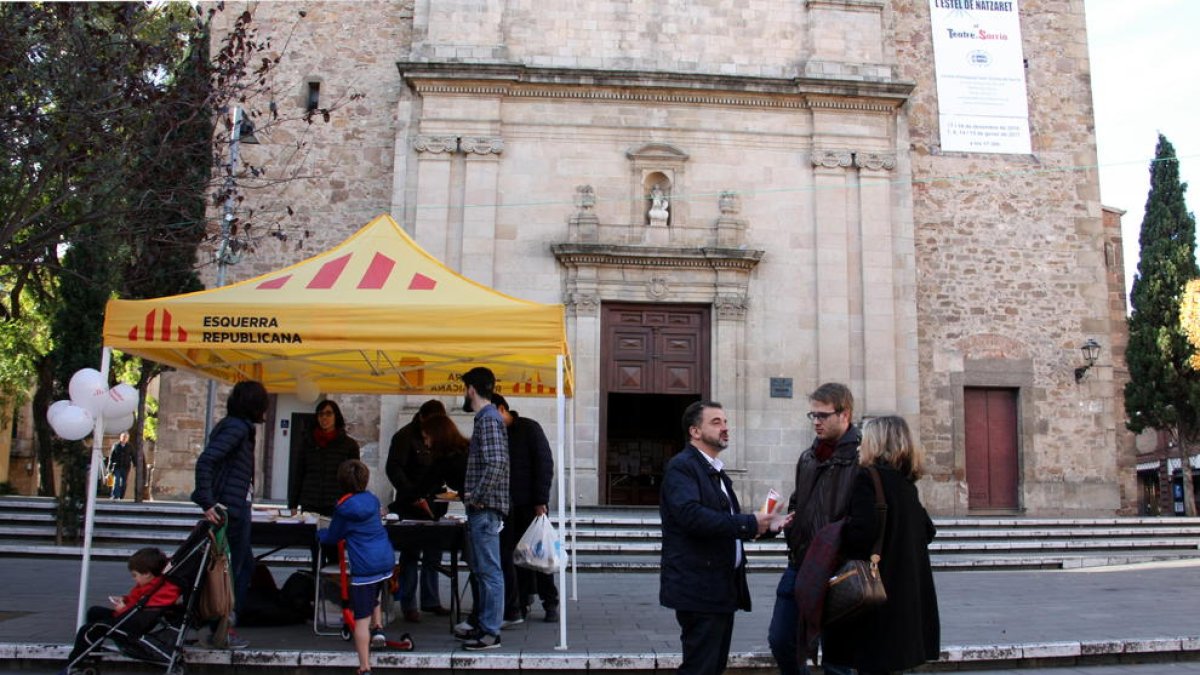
(1144, 55)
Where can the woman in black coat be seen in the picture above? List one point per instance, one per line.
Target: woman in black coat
(906, 631)
(314, 484)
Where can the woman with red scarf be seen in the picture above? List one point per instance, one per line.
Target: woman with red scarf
(313, 485)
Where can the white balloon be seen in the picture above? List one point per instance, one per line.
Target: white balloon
(73, 423)
(118, 424)
(307, 391)
(88, 391)
(122, 400)
(55, 408)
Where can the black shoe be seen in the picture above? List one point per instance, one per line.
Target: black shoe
(551, 615)
(484, 641)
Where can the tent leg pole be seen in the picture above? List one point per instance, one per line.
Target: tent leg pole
(561, 423)
(90, 510)
(574, 499)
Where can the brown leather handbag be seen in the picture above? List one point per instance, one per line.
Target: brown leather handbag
(857, 585)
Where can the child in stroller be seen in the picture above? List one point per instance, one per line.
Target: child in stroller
(148, 623)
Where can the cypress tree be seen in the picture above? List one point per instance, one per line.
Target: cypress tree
(1164, 391)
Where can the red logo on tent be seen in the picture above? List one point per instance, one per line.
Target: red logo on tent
(164, 331)
(532, 386)
(420, 282)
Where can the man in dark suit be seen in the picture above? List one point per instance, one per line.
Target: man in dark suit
(703, 565)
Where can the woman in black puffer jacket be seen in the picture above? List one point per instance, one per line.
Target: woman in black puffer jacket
(313, 485)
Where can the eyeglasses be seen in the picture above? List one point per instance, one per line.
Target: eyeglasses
(822, 416)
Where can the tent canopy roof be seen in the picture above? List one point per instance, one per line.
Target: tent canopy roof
(375, 314)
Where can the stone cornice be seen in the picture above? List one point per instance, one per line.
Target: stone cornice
(851, 5)
(514, 80)
(624, 255)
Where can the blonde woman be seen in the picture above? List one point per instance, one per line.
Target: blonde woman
(905, 632)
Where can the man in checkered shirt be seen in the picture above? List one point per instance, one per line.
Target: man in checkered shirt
(485, 495)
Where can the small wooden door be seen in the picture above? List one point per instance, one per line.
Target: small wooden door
(991, 439)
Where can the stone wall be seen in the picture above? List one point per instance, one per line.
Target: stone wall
(1012, 270)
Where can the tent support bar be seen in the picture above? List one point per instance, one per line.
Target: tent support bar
(562, 567)
(90, 511)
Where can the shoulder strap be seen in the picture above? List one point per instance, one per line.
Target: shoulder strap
(880, 510)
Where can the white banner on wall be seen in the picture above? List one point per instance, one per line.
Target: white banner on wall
(980, 68)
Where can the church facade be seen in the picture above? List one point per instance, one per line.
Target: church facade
(734, 202)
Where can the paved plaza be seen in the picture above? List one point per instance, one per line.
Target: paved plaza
(1001, 618)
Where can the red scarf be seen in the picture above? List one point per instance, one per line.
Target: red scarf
(824, 450)
(323, 437)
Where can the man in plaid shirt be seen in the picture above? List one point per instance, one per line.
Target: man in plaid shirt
(485, 495)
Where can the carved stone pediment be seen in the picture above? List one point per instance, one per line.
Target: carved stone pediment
(657, 152)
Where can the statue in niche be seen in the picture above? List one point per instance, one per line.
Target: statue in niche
(659, 203)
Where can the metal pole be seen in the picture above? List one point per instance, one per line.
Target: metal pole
(561, 423)
(225, 256)
(90, 511)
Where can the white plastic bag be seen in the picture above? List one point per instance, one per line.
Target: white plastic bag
(540, 548)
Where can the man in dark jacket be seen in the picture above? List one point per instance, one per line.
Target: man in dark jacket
(703, 574)
(119, 460)
(825, 476)
(530, 472)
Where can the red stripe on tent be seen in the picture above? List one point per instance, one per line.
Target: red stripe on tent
(165, 335)
(378, 272)
(420, 282)
(133, 334)
(272, 284)
(149, 332)
(328, 275)
(182, 334)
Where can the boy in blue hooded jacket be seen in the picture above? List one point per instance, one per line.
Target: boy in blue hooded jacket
(357, 518)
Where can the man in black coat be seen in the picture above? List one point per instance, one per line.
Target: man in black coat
(119, 459)
(703, 565)
(530, 473)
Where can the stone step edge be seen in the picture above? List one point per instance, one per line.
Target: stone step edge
(953, 656)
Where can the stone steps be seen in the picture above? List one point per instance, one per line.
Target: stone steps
(613, 539)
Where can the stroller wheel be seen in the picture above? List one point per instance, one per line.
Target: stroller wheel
(177, 669)
(347, 633)
(86, 670)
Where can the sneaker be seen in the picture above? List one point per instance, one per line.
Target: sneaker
(465, 631)
(551, 615)
(484, 641)
(232, 641)
(436, 610)
(412, 616)
(378, 639)
(516, 620)
(235, 641)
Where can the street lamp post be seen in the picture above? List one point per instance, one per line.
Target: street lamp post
(241, 131)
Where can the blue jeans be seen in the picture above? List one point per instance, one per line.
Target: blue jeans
(425, 561)
(483, 539)
(118, 488)
(241, 555)
(782, 633)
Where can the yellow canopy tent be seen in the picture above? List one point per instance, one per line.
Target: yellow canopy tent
(374, 315)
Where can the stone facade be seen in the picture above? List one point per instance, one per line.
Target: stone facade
(810, 207)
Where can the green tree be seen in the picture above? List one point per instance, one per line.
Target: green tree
(1164, 390)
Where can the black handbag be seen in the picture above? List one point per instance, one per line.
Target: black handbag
(857, 585)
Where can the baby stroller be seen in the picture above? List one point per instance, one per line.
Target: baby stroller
(154, 634)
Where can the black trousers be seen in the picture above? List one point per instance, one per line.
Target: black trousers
(705, 637)
(521, 583)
